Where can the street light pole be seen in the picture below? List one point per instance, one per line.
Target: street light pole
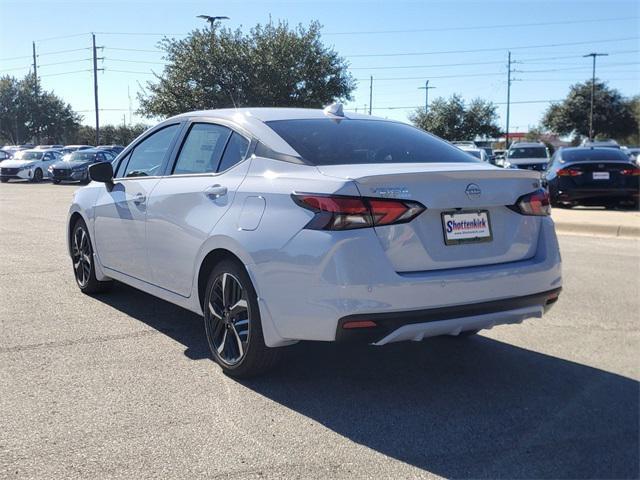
(593, 55)
(426, 95)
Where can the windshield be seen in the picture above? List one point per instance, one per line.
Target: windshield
(528, 152)
(80, 156)
(28, 155)
(338, 142)
(587, 154)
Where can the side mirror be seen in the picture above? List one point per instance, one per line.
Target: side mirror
(101, 172)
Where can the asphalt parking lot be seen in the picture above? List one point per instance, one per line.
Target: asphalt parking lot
(121, 385)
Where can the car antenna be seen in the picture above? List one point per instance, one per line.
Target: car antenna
(335, 108)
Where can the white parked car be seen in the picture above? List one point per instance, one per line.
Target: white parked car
(280, 225)
(29, 165)
(528, 155)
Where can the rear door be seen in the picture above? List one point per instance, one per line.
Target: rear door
(121, 211)
(186, 204)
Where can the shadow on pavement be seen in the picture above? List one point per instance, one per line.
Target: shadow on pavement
(457, 408)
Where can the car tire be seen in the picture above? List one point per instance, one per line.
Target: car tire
(37, 176)
(4, 180)
(83, 262)
(55, 182)
(232, 323)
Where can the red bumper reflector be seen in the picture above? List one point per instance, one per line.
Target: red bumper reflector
(359, 324)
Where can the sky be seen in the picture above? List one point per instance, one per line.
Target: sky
(460, 47)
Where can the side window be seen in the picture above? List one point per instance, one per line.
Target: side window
(146, 158)
(235, 152)
(121, 166)
(99, 157)
(47, 157)
(201, 151)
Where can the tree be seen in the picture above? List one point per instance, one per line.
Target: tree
(453, 120)
(28, 113)
(273, 65)
(612, 114)
(109, 134)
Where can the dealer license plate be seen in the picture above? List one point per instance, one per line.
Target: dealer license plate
(466, 227)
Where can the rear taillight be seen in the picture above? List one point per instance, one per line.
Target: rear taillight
(535, 203)
(339, 212)
(569, 172)
(630, 171)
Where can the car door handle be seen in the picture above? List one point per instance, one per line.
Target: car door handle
(139, 199)
(215, 191)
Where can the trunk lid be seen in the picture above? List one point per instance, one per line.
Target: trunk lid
(445, 188)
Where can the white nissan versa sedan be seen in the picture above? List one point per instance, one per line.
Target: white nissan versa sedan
(280, 225)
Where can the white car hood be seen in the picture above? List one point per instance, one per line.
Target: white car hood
(519, 161)
(17, 163)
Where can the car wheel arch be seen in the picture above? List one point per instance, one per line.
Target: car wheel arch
(210, 260)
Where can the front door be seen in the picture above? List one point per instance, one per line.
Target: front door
(120, 211)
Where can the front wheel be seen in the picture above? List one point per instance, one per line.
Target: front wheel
(4, 180)
(82, 258)
(232, 323)
(37, 176)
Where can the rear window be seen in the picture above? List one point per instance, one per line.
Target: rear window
(597, 154)
(338, 142)
(528, 152)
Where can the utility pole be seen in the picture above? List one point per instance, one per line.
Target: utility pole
(129, 96)
(426, 94)
(370, 94)
(593, 87)
(35, 63)
(95, 87)
(35, 87)
(506, 136)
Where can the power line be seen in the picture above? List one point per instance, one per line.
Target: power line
(128, 71)
(64, 51)
(495, 103)
(64, 73)
(483, 27)
(134, 61)
(63, 63)
(499, 49)
(155, 34)
(135, 49)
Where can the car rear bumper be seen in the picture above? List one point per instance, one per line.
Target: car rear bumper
(319, 278)
(578, 194)
(419, 324)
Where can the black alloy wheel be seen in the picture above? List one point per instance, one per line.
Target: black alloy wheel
(232, 322)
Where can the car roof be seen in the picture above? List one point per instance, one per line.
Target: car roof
(252, 121)
(528, 145)
(42, 150)
(267, 114)
(90, 150)
(582, 149)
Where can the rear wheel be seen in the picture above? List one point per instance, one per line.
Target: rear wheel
(232, 322)
(82, 258)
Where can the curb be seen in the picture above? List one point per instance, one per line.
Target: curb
(598, 229)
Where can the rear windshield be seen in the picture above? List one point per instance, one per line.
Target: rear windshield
(338, 142)
(584, 155)
(528, 152)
